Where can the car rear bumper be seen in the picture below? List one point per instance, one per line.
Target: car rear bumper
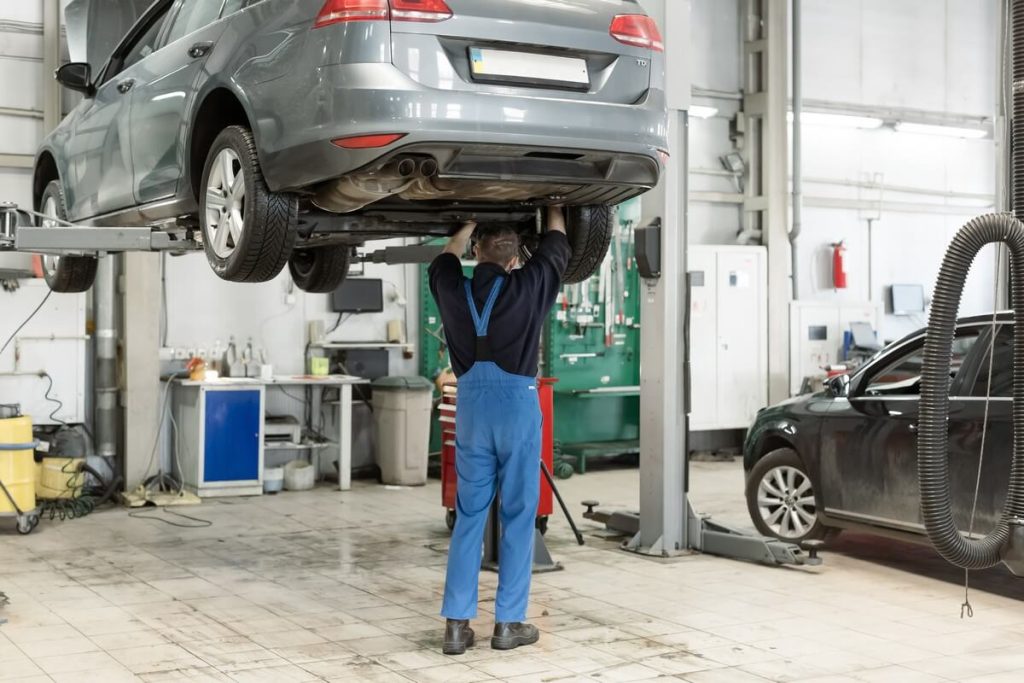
(617, 145)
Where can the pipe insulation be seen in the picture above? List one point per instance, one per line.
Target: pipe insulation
(933, 421)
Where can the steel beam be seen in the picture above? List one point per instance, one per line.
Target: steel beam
(766, 151)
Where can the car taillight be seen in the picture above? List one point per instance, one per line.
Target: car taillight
(420, 10)
(638, 30)
(339, 11)
(368, 141)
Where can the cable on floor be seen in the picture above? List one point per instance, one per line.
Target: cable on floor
(201, 523)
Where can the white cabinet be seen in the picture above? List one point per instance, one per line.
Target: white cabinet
(728, 335)
(816, 335)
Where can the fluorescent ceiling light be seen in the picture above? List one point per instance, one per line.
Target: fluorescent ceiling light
(946, 131)
(814, 118)
(702, 112)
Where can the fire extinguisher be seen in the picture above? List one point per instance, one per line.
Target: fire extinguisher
(838, 267)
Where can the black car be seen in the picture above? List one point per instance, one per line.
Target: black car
(846, 458)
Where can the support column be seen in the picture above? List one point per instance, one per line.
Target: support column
(765, 105)
(140, 289)
(51, 61)
(663, 451)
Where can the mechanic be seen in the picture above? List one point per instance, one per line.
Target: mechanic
(492, 325)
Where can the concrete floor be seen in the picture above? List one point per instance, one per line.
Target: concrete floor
(346, 587)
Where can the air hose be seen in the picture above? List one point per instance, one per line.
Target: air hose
(933, 431)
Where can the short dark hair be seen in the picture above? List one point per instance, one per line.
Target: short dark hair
(496, 244)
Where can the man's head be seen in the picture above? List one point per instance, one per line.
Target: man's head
(496, 244)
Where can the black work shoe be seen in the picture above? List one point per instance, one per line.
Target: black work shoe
(457, 637)
(509, 636)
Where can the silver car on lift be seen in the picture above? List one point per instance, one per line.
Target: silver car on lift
(289, 131)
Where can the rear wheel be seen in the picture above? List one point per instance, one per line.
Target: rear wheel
(320, 270)
(781, 500)
(589, 229)
(64, 274)
(248, 231)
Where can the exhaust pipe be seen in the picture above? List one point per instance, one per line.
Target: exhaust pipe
(404, 168)
(428, 168)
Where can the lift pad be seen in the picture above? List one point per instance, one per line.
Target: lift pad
(83, 240)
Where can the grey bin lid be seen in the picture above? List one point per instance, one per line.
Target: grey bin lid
(403, 384)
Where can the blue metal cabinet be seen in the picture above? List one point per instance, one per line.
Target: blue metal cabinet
(220, 437)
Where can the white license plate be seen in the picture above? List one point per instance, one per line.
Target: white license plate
(528, 67)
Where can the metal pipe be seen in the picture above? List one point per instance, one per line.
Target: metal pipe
(797, 225)
(105, 378)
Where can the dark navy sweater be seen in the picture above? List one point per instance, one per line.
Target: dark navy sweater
(519, 314)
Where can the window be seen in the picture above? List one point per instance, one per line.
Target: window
(902, 377)
(1002, 367)
(146, 45)
(192, 16)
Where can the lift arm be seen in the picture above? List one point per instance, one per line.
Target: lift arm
(84, 240)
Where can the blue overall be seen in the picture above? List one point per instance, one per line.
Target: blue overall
(497, 446)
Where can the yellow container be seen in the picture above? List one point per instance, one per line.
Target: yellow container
(59, 478)
(17, 468)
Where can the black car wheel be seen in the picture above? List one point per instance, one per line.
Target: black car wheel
(64, 274)
(780, 498)
(320, 270)
(589, 229)
(248, 231)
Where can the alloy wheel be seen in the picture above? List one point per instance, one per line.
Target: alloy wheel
(51, 220)
(785, 500)
(225, 203)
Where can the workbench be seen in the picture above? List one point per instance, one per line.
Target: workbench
(221, 427)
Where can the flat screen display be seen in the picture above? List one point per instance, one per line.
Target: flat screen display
(358, 295)
(907, 299)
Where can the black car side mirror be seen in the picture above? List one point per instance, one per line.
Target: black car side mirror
(839, 386)
(76, 76)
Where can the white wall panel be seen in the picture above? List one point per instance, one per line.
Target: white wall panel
(715, 48)
(832, 50)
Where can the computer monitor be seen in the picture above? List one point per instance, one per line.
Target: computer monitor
(906, 299)
(864, 336)
(359, 295)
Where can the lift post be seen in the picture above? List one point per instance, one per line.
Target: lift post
(666, 524)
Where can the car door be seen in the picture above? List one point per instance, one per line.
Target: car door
(163, 94)
(966, 434)
(869, 439)
(99, 148)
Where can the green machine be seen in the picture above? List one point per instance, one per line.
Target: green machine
(591, 345)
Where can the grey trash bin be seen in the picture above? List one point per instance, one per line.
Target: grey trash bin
(401, 409)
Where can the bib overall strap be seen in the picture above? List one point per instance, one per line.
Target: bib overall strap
(481, 321)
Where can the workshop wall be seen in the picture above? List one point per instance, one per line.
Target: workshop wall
(920, 59)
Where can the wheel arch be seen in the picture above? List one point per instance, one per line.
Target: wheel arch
(765, 444)
(220, 107)
(45, 171)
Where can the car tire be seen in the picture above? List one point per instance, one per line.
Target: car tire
(589, 229)
(64, 274)
(320, 270)
(775, 488)
(248, 234)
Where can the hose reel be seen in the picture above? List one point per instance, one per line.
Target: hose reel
(1005, 543)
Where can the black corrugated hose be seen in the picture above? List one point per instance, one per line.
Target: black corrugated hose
(933, 434)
